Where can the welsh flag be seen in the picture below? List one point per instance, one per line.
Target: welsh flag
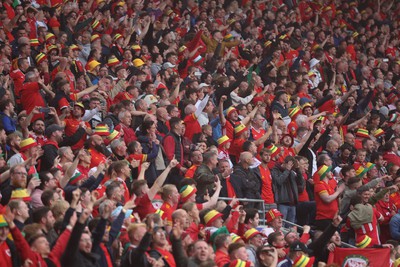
(356, 257)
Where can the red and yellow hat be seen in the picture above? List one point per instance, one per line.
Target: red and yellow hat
(159, 212)
(223, 140)
(27, 143)
(40, 58)
(186, 192)
(136, 47)
(240, 263)
(303, 261)
(228, 37)
(74, 47)
(272, 214)
(92, 64)
(34, 42)
(294, 111)
(80, 104)
(362, 132)
(113, 135)
(379, 132)
(102, 129)
(112, 61)
(3, 222)
(211, 216)
(94, 37)
(117, 36)
(230, 110)
(239, 129)
(49, 36)
(52, 47)
(273, 149)
(235, 238)
(137, 62)
(249, 234)
(369, 166)
(182, 49)
(95, 24)
(20, 193)
(322, 171)
(363, 241)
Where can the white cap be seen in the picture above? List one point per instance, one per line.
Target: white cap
(168, 65)
(203, 85)
(313, 62)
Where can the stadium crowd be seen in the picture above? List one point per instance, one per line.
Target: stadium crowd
(123, 123)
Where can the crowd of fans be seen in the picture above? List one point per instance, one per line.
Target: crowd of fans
(123, 123)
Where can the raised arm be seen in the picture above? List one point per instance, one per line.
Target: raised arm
(161, 179)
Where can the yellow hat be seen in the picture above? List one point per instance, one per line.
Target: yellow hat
(137, 62)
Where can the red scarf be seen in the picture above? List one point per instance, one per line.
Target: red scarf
(105, 251)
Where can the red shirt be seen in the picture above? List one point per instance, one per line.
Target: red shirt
(329, 106)
(303, 196)
(5, 255)
(129, 133)
(18, 77)
(190, 172)
(325, 210)
(237, 147)
(144, 206)
(168, 210)
(71, 126)
(370, 229)
(192, 126)
(229, 188)
(266, 190)
(31, 98)
(97, 158)
(395, 199)
(221, 258)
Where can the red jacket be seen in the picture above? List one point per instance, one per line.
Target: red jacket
(391, 157)
(26, 252)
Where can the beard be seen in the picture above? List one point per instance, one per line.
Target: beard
(100, 148)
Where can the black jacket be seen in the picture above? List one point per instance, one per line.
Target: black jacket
(286, 185)
(245, 183)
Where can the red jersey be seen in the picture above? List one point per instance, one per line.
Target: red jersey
(31, 98)
(71, 126)
(97, 158)
(329, 106)
(325, 210)
(370, 229)
(144, 206)
(190, 172)
(266, 190)
(5, 255)
(395, 199)
(168, 210)
(192, 126)
(237, 147)
(303, 196)
(129, 133)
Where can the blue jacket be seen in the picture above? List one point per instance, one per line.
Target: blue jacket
(8, 123)
(395, 227)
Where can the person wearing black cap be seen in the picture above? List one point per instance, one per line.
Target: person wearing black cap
(298, 253)
(55, 139)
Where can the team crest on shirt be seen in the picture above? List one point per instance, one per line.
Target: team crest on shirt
(355, 261)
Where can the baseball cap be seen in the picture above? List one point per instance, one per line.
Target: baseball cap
(52, 128)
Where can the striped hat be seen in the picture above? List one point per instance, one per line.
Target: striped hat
(20, 193)
(3, 222)
(94, 37)
(228, 37)
(235, 238)
(112, 61)
(322, 171)
(363, 241)
(361, 171)
(52, 47)
(306, 105)
(95, 24)
(40, 58)
(27, 143)
(113, 135)
(273, 149)
(76, 178)
(49, 36)
(117, 36)
(186, 192)
(240, 263)
(211, 216)
(249, 234)
(272, 214)
(137, 62)
(80, 104)
(239, 129)
(182, 49)
(159, 212)
(34, 42)
(294, 111)
(369, 166)
(198, 59)
(102, 129)
(363, 133)
(379, 132)
(223, 140)
(303, 261)
(230, 110)
(393, 117)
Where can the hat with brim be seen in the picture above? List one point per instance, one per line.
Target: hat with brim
(322, 171)
(137, 62)
(273, 149)
(112, 61)
(27, 143)
(369, 166)
(94, 37)
(76, 178)
(304, 261)
(363, 241)
(223, 140)
(75, 48)
(363, 133)
(80, 104)
(51, 129)
(272, 214)
(240, 129)
(34, 42)
(235, 238)
(379, 132)
(117, 36)
(51, 48)
(249, 234)
(186, 192)
(239, 263)
(49, 36)
(230, 110)
(92, 65)
(313, 62)
(113, 135)
(361, 171)
(20, 193)
(40, 58)
(102, 129)
(211, 216)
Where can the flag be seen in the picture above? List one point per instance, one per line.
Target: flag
(352, 257)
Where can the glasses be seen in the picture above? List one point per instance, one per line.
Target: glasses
(21, 173)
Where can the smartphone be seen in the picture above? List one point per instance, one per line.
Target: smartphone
(44, 110)
(385, 60)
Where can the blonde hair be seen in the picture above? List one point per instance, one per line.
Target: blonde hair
(166, 190)
(59, 208)
(133, 228)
